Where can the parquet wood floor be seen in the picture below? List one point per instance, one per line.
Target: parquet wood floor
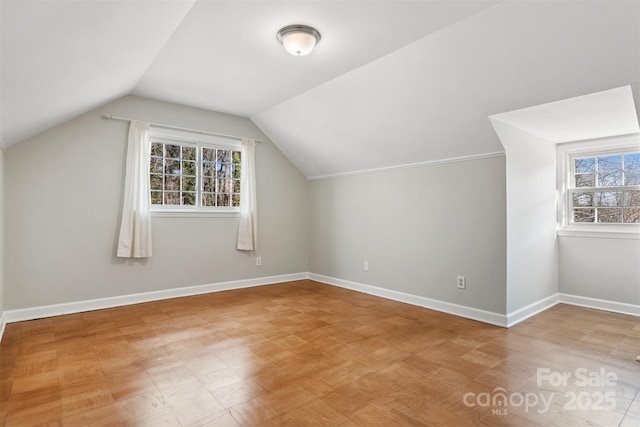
(308, 354)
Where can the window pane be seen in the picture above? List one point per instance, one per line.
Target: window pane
(609, 178)
(156, 165)
(188, 153)
(208, 169)
(188, 184)
(583, 199)
(156, 182)
(175, 176)
(632, 177)
(235, 171)
(609, 198)
(609, 163)
(224, 186)
(584, 215)
(609, 215)
(172, 167)
(172, 198)
(223, 156)
(632, 215)
(189, 199)
(586, 180)
(221, 169)
(607, 204)
(156, 149)
(172, 151)
(172, 183)
(632, 198)
(208, 185)
(223, 200)
(189, 168)
(632, 161)
(209, 154)
(585, 165)
(156, 197)
(208, 199)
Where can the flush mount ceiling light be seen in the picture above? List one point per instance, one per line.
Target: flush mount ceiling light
(298, 40)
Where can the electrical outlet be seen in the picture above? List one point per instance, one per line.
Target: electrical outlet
(366, 266)
(462, 282)
(259, 260)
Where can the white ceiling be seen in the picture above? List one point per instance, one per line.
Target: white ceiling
(391, 82)
(597, 115)
(234, 63)
(59, 59)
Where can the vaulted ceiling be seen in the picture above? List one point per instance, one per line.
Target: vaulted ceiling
(391, 83)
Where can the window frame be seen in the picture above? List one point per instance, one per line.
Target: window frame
(566, 155)
(199, 140)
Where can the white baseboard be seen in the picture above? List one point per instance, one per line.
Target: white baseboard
(531, 310)
(601, 304)
(437, 305)
(524, 313)
(492, 318)
(3, 323)
(19, 315)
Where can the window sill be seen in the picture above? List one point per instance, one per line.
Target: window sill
(602, 234)
(194, 213)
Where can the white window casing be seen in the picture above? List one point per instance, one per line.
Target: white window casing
(566, 160)
(199, 142)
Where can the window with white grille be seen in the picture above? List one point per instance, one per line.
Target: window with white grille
(189, 174)
(605, 188)
(599, 187)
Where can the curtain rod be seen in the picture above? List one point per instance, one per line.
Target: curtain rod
(161, 125)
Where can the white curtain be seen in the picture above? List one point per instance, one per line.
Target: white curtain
(135, 228)
(247, 230)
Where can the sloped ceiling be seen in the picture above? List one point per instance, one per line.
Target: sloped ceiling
(59, 59)
(430, 100)
(234, 63)
(597, 115)
(391, 83)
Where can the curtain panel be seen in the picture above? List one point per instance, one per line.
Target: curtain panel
(135, 227)
(248, 226)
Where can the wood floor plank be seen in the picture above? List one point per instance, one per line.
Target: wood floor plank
(303, 354)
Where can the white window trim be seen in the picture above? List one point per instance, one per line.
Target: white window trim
(566, 152)
(168, 135)
(196, 213)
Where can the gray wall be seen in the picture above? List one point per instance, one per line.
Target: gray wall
(532, 250)
(2, 271)
(419, 228)
(63, 206)
(601, 268)
(605, 267)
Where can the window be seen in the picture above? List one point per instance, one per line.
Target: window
(606, 188)
(187, 173)
(599, 183)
